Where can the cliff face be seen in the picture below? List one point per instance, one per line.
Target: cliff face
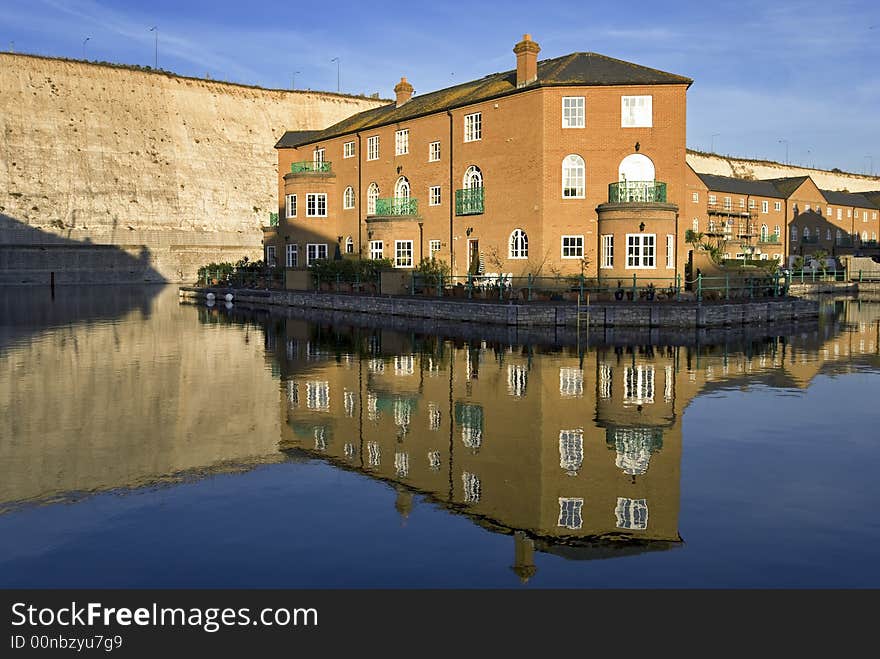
(708, 163)
(139, 159)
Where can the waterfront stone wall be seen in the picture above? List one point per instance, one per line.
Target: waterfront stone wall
(611, 314)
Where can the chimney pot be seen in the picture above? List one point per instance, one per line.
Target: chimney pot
(526, 61)
(403, 91)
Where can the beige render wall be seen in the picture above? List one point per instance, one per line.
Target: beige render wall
(707, 163)
(112, 155)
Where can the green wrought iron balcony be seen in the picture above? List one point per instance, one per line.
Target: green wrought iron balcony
(810, 240)
(469, 201)
(869, 243)
(770, 239)
(397, 206)
(273, 219)
(310, 167)
(637, 191)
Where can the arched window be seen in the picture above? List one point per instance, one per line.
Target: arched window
(696, 225)
(349, 245)
(401, 188)
(573, 177)
(519, 244)
(473, 178)
(806, 232)
(794, 234)
(864, 236)
(372, 196)
(828, 234)
(764, 232)
(839, 237)
(348, 198)
(636, 167)
(777, 231)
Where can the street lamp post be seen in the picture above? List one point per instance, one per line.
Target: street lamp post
(714, 135)
(294, 79)
(156, 48)
(84, 46)
(781, 140)
(336, 59)
(870, 160)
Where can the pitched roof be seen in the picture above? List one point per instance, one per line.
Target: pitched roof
(293, 137)
(789, 184)
(874, 196)
(740, 186)
(582, 69)
(848, 199)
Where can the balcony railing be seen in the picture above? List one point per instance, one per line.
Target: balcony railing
(844, 242)
(810, 240)
(310, 167)
(469, 201)
(714, 208)
(273, 219)
(397, 206)
(869, 243)
(636, 191)
(770, 239)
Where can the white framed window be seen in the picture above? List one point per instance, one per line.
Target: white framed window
(571, 450)
(434, 195)
(631, 514)
(670, 251)
(742, 203)
(864, 236)
(473, 127)
(348, 150)
(638, 384)
(433, 247)
(695, 225)
(473, 178)
(806, 232)
(434, 152)
(403, 253)
(828, 234)
(573, 177)
(376, 249)
(572, 247)
(752, 204)
(570, 513)
(373, 147)
(829, 211)
(864, 216)
(290, 205)
(292, 255)
(401, 142)
(571, 382)
(573, 112)
(727, 204)
(713, 199)
(318, 156)
(348, 198)
(607, 251)
(849, 212)
(640, 250)
(372, 197)
(316, 204)
(794, 234)
(636, 112)
(765, 206)
(349, 245)
(517, 380)
(518, 245)
(874, 215)
(695, 197)
(270, 255)
(315, 251)
(318, 395)
(777, 205)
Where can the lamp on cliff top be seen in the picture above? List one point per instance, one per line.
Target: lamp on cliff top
(84, 46)
(336, 59)
(156, 51)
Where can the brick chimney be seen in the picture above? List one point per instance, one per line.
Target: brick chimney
(404, 91)
(526, 61)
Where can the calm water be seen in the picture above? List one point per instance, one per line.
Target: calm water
(148, 443)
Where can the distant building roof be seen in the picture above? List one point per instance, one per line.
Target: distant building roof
(581, 69)
(873, 196)
(859, 199)
(788, 185)
(740, 186)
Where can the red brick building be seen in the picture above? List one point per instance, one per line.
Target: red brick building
(571, 163)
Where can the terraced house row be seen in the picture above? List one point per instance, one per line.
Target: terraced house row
(782, 219)
(570, 165)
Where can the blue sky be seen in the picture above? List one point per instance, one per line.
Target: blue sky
(803, 72)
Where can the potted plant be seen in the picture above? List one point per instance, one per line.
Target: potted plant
(650, 291)
(618, 293)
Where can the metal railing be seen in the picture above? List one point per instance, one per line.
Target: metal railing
(310, 167)
(273, 219)
(265, 278)
(637, 191)
(770, 239)
(810, 240)
(469, 201)
(397, 206)
(715, 208)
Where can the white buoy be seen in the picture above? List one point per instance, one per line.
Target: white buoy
(229, 305)
(209, 303)
(229, 297)
(210, 296)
